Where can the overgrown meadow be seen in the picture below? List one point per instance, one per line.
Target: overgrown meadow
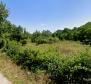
(65, 62)
(64, 55)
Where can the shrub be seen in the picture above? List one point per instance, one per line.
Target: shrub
(12, 48)
(1, 43)
(53, 39)
(76, 69)
(43, 39)
(23, 42)
(64, 70)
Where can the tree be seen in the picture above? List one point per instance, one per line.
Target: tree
(85, 33)
(17, 33)
(67, 34)
(35, 35)
(58, 34)
(3, 15)
(46, 33)
(3, 12)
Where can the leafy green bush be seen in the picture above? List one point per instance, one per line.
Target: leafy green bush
(12, 48)
(53, 39)
(23, 42)
(28, 59)
(74, 69)
(1, 43)
(43, 37)
(41, 40)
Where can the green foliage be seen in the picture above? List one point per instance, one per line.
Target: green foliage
(34, 36)
(3, 12)
(12, 49)
(23, 42)
(17, 33)
(81, 33)
(8, 30)
(85, 32)
(41, 40)
(73, 69)
(44, 37)
(12, 32)
(2, 43)
(62, 69)
(3, 15)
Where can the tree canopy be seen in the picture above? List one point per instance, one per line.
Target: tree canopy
(3, 12)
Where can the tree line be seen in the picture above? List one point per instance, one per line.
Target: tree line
(18, 33)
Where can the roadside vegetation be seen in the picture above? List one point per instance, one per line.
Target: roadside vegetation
(60, 57)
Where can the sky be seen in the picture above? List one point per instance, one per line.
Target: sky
(48, 14)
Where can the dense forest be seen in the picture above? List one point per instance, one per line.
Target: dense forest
(14, 41)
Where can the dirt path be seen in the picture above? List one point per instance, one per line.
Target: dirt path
(4, 80)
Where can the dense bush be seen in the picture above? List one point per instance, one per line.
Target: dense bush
(12, 48)
(81, 33)
(23, 42)
(76, 69)
(43, 37)
(1, 43)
